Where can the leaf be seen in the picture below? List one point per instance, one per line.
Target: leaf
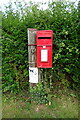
(67, 70)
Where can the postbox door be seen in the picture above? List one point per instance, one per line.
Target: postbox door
(44, 48)
(44, 56)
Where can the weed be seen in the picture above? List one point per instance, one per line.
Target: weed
(38, 94)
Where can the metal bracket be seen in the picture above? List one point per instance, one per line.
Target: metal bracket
(31, 62)
(32, 44)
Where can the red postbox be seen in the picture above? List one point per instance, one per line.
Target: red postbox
(44, 48)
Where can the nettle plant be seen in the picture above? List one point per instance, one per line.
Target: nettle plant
(38, 94)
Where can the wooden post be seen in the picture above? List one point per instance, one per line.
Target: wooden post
(32, 49)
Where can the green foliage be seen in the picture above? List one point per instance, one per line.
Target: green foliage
(63, 19)
(38, 94)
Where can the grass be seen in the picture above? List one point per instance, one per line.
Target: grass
(63, 105)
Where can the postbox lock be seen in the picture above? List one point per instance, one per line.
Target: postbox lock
(44, 46)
